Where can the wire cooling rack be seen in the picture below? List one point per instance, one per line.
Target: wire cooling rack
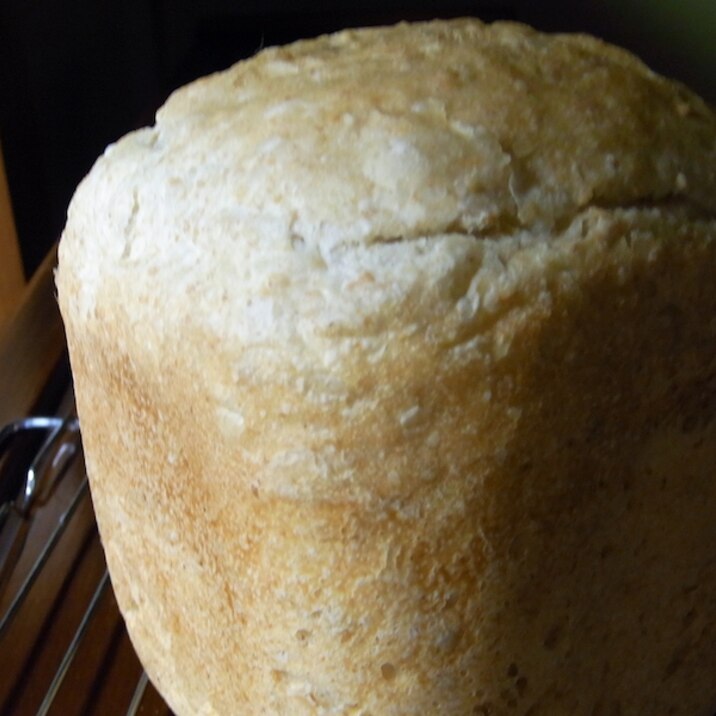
(63, 646)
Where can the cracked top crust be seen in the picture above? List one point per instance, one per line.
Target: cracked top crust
(320, 182)
(448, 126)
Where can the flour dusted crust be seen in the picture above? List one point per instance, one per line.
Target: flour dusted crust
(395, 356)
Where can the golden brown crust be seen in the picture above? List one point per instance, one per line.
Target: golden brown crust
(427, 445)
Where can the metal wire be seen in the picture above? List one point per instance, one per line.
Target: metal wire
(45, 471)
(69, 655)
(48, 467)
(138, 694)
(42, 558)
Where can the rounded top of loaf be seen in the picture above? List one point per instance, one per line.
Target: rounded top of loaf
(351, 183)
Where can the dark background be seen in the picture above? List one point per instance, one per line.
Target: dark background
(77, 74)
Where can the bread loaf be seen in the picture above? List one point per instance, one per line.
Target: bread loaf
(395, 360)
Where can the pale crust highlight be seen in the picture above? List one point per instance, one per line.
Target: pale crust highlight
(415, 415)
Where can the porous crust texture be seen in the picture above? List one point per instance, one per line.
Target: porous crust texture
(395, 359)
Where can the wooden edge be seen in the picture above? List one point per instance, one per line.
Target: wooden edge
(31, 343)
(12, 281)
